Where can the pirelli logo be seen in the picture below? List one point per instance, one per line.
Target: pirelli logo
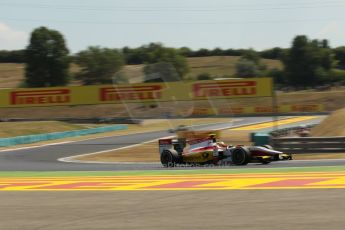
(131, 93)
(265, 109)
(305, 108)
(225, 89)
(39, 97)
(232, 110)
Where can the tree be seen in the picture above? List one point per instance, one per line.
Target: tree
(308, 63)
(158, 58)
(278, 76)
(340, 56)
(161, 72)
(15, 56)
(249, 64)
(134, 56)
(47, 60)
(185, 51)
(274, 53)
(121, 77)
(247, 68)
(204, 76)
(99, 65)
(251, 55)
(202, 53)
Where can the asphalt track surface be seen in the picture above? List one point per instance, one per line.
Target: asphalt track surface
(315, 209)
(150, 210)
(46, 158)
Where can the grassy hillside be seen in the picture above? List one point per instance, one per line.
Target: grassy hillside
(222, 65)
(215, 66)
(11, 75)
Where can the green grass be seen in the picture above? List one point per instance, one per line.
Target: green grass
(236, 170)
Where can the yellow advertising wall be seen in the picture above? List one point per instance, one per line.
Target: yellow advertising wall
(148, 92)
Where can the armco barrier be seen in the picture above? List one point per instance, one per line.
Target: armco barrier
(263, 138)
(309, 144)
(290, 130)
(11, 141)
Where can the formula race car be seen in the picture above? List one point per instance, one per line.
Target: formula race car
(178, 129)
(201, 147)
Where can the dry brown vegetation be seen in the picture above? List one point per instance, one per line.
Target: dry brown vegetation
(11, 75)
(334, 125)
(12, 129)
(222, 65)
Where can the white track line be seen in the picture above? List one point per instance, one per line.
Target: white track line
(35, 146)
(73, 160)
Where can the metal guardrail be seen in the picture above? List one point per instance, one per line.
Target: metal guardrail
(309, 144)
(95, 120)
(283, 132)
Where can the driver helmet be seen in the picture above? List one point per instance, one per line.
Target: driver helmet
(213, 137)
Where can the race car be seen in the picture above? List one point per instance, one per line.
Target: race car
(178, 128)
(198, 148)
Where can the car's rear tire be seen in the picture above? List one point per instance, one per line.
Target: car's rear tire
(169, 158)
(240, 156)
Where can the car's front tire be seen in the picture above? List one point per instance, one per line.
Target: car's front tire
(240, 156)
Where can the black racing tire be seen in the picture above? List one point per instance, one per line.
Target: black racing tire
(241, 156)
(169, 158)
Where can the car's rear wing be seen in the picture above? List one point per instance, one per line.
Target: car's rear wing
(183, 137)
(165, 143)
(177, 144)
